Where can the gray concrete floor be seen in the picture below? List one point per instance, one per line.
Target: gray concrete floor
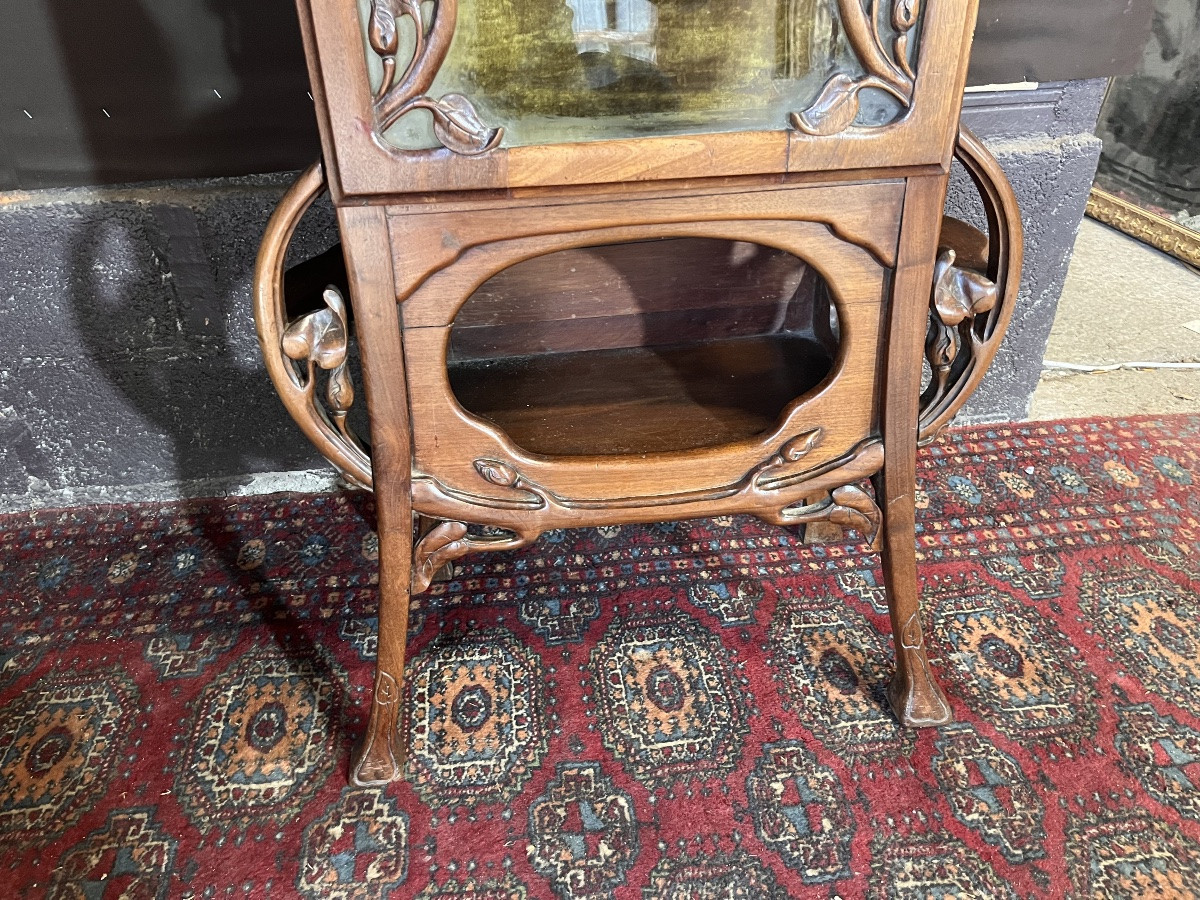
(1124, 302)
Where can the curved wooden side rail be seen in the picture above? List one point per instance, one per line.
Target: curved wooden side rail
(970, 310)
(294, 351)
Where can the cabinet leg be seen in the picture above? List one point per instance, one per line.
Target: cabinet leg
(380, 754)
(367, 249)
(914, 694)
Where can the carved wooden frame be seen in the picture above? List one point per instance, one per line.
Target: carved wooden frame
(1158, 231)
(855, 252)
(364, 166)
(970, 311)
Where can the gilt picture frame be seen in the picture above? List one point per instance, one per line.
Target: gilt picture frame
(1148, 182)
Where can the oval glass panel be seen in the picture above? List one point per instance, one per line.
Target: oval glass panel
(607, 350)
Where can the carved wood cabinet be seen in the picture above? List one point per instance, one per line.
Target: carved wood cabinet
(614, 261)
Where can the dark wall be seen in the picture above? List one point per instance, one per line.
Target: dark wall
(111, 91)
(1058, 40)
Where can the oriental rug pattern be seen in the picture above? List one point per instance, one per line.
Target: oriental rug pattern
(687, 710)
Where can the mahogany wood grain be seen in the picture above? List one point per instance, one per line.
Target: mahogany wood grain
(642, 399)
(630, 279)
(914, 693)
(380, 757)
(621, 295)
(552, 335)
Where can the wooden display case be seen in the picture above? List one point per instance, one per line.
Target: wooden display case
(665, 261)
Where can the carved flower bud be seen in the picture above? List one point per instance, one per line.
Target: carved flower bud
(319, 337)
(904, 14)
(340, 390)
(496, 472)
(382, 31)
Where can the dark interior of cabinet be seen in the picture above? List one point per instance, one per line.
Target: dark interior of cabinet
(643, 347)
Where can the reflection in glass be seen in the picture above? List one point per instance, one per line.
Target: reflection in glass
(625, 27)
(1150, 122)
(552, 71)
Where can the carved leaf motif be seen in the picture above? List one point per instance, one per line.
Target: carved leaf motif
(459, 128)
(912, 636)
(854, 508)
(441, 545)
(412, 9)
(386, 690)
(318, 337)
(771, 474)
(941, 348)
(456, 124)
(799, 447)
(834, 110)
(381, 30)
(837, 106)
(333, 299)
(496, 472)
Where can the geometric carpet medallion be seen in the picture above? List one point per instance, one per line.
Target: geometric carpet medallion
(260, 741)
(477, 731)
(62, 744)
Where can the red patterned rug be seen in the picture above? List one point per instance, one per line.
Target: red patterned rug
(690, 710)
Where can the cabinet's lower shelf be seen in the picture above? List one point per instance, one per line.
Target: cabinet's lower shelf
(642, 399)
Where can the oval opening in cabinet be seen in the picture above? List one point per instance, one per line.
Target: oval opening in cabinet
(643, 347)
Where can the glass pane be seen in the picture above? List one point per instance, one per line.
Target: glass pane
(553, 71)
(1150, 122)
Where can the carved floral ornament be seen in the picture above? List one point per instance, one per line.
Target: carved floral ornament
(836, 107)
(960, 298)
(321, 340)
(455, 122)
(759, 490)
(459, 128)
(318, 341)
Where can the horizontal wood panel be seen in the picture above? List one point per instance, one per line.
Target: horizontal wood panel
(649, 159)
(820, 224)
(631, 278)
(641, 400)
(613, 332)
